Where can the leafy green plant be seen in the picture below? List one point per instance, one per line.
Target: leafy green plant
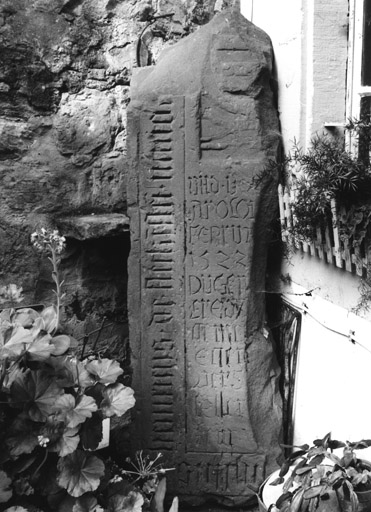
(147, 475)
(325, 176)
(330, 187)
(52, 409)
(313, 472)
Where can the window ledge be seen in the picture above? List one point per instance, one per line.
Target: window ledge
(332, 125)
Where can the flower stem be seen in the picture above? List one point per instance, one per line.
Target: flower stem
(3, 371)
(41, 463)
(55, 260)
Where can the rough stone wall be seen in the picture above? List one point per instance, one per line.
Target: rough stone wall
(65, 68)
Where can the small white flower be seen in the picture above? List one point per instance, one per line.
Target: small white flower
(11, 293)
(116, 479)
(47, 241)
(43, 441)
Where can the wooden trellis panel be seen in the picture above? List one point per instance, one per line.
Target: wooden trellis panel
(328, 245)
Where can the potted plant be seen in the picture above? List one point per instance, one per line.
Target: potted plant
(53, 404)
(317, 478)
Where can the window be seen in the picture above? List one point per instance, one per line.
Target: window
(359, 61)
(359, 75)
(366, 45)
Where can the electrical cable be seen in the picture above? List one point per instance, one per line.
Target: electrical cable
(350, 336)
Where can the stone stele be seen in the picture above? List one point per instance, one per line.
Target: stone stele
(202, 125)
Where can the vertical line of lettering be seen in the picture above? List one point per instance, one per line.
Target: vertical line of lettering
(159, 278)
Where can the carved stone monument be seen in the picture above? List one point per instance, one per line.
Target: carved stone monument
(202, 124)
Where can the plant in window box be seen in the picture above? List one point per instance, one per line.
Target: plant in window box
(324, 177)
(52, 406)
(315, 478)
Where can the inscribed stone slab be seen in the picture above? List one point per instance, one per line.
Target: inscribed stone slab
(201, 125)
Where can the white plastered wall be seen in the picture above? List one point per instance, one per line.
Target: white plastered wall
(310, 41)
(282, 21)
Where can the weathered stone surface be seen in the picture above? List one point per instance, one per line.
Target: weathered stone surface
(93, 226)
(201, 125)
(65, 68)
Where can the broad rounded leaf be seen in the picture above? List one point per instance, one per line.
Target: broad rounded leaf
(117, 400)
(23, 436)
(49, 315)
(359, 478)
(38, 392)
(76, 411)
(17, 343)
(96, 392)
(6, 330)
(6, 316)
(17, 509)
(91, 432)
(61, 344)
(68, 443)
(38, 326)
(132, 502)
(106, 371)
(22, 486)
(40, 349)
(87, 503)
(80, 472)
(73, 342)
(83, 378)
(5, 490)
(68, 372)
(11, 375)
(84, 408)
(25, 317)
(64, 404)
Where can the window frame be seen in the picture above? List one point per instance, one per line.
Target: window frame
(355, 90)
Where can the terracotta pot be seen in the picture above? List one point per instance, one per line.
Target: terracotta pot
(364, 499)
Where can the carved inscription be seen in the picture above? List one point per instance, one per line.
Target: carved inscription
(200, 131)
(199, 281)
(158, 273)
(229, 475)
(219, 223)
